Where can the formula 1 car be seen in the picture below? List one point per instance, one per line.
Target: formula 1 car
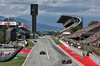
(42, 53)
(35, 41)
(67, 61)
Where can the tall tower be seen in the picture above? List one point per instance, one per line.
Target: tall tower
(34, 13)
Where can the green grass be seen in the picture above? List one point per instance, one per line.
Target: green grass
(57, 42)
(86, 50)
(30, 44)
(13, 62)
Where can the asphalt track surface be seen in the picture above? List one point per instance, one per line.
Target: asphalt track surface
(53, 57)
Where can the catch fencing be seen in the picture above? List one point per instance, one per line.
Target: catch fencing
(72, 48)
(94, 58)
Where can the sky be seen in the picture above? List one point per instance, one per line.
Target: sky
(51, 10)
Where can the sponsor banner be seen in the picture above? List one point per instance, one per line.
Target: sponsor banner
(12, 23)
(4, 23)
(9, 23)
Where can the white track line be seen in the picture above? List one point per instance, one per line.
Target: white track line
(27, 57)
(47, 52)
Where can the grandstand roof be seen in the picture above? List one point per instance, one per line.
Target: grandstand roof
(69, 21)
(65, 17)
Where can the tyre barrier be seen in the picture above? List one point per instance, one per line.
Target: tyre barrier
(10, 56)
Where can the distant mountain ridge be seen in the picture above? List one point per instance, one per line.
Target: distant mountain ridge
(40, 26)
(2, 17)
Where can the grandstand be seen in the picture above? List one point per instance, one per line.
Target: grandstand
(88, 34)
(97, 43)
(88, 38)
(87, 31)
(93, 38)
(96, 47)
(69, 21)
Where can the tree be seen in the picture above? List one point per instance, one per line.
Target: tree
(93, 22)
(74, 29)
(4, 28)
(2, 39)
(2, 34)
(78, 27)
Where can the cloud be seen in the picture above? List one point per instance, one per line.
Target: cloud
(63, 9)
(15, 8)
(72, 7)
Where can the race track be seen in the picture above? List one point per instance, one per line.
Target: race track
(53, 57)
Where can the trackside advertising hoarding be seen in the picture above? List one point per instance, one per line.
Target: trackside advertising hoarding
(8, 23)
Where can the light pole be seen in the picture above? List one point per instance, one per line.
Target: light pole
(80, 40)
(58, 31)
